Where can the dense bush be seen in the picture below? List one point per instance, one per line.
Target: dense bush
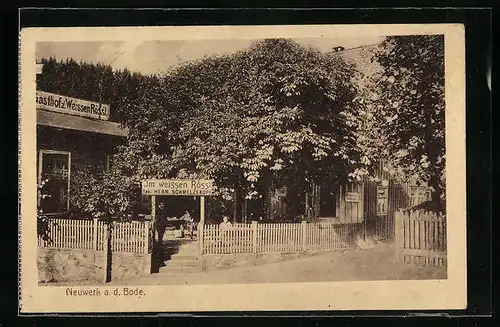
(104, 195)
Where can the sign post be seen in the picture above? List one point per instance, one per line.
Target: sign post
(153, 215)
(200, 229)
(202, 210)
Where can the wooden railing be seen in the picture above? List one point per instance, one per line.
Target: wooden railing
(276, 237)
(421, 238)
(134, 237)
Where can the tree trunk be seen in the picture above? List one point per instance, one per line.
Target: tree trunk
(235, 206)
(432, 150)
(108, 255)
(437, 203)
(238, 205)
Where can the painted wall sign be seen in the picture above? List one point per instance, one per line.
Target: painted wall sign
(71, 106)
(177, 187)
(352, 197)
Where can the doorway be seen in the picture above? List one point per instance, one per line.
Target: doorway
(328, 200)
(54, 168)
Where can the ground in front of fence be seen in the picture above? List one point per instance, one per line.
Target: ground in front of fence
(350, 265)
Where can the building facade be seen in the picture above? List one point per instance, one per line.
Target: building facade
(72, 134)
(371, 203)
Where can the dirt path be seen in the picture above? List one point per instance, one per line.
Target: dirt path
(352, 265)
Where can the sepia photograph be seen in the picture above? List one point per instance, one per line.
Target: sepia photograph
(257, 160)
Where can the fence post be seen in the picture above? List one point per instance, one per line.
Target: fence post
(200, 234)
(254, 236)
(94, 235)
(399, 236)
(106, 245)
(254, 241)
(146, 237)
(304, 234)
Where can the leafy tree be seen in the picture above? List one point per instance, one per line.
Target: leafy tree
(44, 223)
(95, 82)
(274, 113)
(106, 195)
(410, 109)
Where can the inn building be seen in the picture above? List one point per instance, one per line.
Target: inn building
(72, 134)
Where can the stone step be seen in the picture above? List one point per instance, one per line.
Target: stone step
(178, 270)
(193, 244)
(180, 263)
(177, 257)
(187, 250)
(186, 253)
(181, 249)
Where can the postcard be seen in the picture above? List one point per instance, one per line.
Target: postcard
(242, 168)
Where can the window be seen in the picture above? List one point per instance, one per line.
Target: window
(54, 169)
(382, 200)
(418, 195)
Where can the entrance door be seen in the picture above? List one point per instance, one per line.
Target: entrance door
(313, 200)
(327, 205)
(54, 170)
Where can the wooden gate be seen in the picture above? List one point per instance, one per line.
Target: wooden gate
(381, 204)
(421, 238)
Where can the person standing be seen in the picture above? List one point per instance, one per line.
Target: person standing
(189, 223)
(161, 220)
(224, 228)
(191, 228)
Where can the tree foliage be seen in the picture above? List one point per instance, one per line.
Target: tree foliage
(274, 114)
(44, 224)
(271, 112)
(409, 113)
(106, 195)
(96, 82)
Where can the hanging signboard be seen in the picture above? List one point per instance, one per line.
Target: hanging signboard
(352, 197)
(177, 187)
(382, 192)
(281, 192)
(71, 106)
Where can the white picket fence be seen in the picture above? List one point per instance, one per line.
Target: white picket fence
(276, 237)
(134, 237)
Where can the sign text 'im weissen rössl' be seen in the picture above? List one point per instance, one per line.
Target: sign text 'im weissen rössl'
(179, 187)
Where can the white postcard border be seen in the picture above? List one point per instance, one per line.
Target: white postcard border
(369, 295)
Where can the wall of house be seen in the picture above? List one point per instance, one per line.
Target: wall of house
(87, 149)
(346, 203)
(399, 196)
(381, 225)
